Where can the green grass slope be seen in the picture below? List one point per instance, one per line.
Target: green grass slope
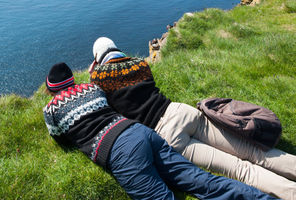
(248, 53)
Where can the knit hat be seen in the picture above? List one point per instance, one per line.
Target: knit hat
(102, 47)
(59, 77)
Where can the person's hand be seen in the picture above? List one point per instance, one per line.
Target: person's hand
(93, 64)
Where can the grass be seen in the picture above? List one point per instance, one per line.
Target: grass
(248, 53)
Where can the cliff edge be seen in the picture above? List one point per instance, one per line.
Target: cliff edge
(156, 44)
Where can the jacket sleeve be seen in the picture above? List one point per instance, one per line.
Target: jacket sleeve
(51, 125)
(54, 130)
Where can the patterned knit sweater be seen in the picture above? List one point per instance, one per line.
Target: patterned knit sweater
(80, 116)
(131, 90)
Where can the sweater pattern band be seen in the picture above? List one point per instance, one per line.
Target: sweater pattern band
(101, 135)
(69, 95)
(66, 108)
(114, 76)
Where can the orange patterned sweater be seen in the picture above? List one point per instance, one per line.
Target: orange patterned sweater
(130, 88)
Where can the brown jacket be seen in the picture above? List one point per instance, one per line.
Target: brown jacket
(253, 122)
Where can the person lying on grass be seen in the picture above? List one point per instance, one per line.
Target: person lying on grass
(140, 160)
(131, 91)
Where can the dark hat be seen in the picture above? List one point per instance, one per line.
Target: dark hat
(59, 77)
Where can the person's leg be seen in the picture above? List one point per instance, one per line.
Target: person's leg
(181, 120)
(131, 163)
(220, 162)
(185, 176)
(275, 160)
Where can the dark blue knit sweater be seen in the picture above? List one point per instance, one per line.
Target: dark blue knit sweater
(80, 116)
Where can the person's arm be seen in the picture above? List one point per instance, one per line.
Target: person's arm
(93, 64)
(55, 131)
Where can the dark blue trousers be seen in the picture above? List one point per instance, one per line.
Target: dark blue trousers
(143, 164)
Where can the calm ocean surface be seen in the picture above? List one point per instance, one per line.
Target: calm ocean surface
(35, 34)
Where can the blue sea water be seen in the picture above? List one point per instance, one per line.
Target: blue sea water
(35, 34)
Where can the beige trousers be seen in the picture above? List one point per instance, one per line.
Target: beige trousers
(192, 134)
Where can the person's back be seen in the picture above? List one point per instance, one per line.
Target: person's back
(131, 90)
(79, 115)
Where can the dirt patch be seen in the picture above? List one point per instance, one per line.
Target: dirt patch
(224, 34)
(289, 27)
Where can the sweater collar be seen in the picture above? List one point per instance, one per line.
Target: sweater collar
(112, 55)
